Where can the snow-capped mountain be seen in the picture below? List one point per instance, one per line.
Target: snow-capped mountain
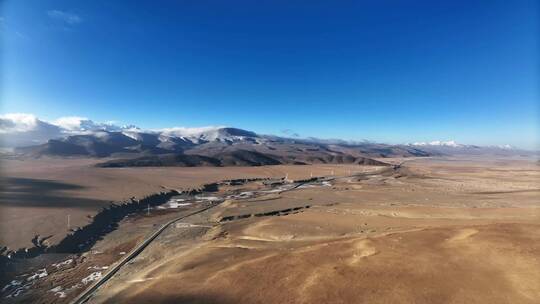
(453, 148)
(506, 147)
(207, 146)
(454, 144)
(449, 143)
(81, 137)
(208, 134)
(19, 130)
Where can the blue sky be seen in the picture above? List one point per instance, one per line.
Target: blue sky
(389, 71)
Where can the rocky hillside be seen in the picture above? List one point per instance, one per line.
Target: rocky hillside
(211, 147)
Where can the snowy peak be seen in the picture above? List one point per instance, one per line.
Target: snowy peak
(193, 135)
(227, 135)
(449, 143)
(103, 143)
(506, 147)
(19, 130)
(183, 132)
(81, 136)
(206, 134)
(453, 148)
(452, 144)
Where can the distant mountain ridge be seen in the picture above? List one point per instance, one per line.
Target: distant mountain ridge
(453, 148)
(210, 147)
(207, 146)
(106, 143)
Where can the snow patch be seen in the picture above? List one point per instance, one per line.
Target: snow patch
(208, 198)
(11, 284)
(98, 267)
(64, 263)
(38, 275)
(92, 277)
(58, 292)
(16, 288)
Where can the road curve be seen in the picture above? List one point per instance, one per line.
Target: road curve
(85, 296)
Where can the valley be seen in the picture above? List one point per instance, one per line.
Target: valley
(367, 225)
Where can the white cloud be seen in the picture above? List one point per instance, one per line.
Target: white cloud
(19, 129)
(183, 131)
(65, 17)
(70, 122)
(17, 122)
(78, 124)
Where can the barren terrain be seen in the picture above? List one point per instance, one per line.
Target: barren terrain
(440, 230)
(38, 194)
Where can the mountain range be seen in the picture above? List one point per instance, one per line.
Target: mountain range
(212, 147)
(208, 146)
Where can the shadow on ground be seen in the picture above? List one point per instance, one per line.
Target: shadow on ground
(28, 192)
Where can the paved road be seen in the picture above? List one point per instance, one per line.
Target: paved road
(85, 296)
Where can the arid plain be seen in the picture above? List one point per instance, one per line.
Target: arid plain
(431, 230)
(38, 194)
